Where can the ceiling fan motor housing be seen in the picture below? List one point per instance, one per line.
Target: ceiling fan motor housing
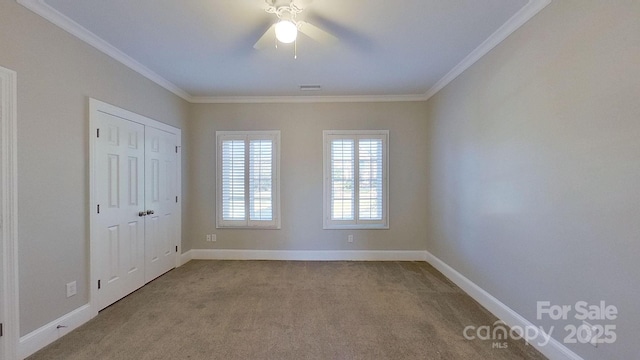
(284, 9)
(279, 3)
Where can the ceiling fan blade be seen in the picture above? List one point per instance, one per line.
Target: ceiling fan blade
(316, 33)
(266, 39)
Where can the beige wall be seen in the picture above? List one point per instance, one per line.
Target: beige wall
(57, 73)
(301, 128)
(535, 167)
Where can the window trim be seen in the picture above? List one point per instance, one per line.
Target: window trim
(329, 224)
(274, 135)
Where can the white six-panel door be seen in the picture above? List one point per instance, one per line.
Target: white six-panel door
(161, 202)
(119, 166)
(135, 221)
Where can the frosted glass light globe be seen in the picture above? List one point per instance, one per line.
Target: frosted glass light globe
(286, 31)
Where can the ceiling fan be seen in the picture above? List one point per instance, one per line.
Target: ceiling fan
(286, 28)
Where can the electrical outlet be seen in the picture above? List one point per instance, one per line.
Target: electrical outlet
(71, 289)
(208, 237)
(350, 238)
(213, 237)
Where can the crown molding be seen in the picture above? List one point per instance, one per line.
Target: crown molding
(305, 99)
(41, 8)
(514, 23)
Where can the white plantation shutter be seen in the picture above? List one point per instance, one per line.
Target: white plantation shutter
(356, 180)
(342, 179)
(248, 184)
(260, 180)
(233, 161)
(370, 182)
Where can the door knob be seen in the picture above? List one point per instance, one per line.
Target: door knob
(142, 213)
(150, 212)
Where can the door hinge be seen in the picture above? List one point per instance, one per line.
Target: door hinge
(98, 132)
(176, 199)
(98, 208)
(176, 248)
(1, 329)
(176, 149)
(99, 285)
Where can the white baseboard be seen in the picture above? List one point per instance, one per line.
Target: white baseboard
(554, 350)
(185, 257)
(45, 335)
(305, 255)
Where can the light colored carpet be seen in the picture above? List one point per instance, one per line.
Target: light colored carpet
(289, 310)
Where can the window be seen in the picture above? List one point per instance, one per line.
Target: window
(356, 179)
(248, 185)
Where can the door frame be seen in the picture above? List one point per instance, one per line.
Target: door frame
(96, 107)
(9, 209)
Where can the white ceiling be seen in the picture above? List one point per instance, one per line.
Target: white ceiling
(203, 49)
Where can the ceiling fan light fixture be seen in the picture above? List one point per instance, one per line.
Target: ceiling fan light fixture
(286, 31)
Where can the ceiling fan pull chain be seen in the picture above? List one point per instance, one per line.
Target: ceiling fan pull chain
(295, 49)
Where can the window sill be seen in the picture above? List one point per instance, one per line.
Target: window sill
(357, 227)
(249, 227)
